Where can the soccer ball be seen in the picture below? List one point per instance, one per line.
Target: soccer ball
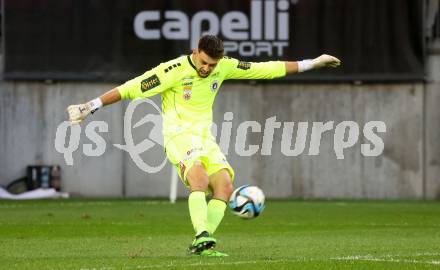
(247, 201)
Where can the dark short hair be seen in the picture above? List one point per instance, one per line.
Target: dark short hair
(212, 46)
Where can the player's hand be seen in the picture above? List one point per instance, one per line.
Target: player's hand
(326, 60)
(79, 112)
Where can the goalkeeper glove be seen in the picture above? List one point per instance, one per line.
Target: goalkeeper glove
(79, 112)
(324, 60)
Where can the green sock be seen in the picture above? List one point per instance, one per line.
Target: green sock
(198, 210)
(216, 212)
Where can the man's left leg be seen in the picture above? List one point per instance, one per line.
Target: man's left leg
(221, 184)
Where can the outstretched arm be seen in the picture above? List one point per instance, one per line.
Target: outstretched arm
(275, 69)
(146, 85)
(319, 62)
(151, 83)
(110, 97)
(79, 112)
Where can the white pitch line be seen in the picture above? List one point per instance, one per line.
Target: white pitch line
(219, 263)
(388, 259)
(207, 264)
(427, 254)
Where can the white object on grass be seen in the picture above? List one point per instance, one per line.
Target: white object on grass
(39, 193)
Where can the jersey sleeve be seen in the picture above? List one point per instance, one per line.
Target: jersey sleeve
(152, 82)
(236, 69)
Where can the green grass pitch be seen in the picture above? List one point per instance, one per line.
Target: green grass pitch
(143, 234)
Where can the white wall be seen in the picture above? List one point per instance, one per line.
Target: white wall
(31, 112)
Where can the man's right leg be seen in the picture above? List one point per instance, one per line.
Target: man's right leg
(198, 184)
(198, 181)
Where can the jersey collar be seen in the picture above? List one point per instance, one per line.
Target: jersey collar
(191, 63)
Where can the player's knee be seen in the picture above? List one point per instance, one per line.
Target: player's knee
(229, 188)
(225, 184)
(198, 178)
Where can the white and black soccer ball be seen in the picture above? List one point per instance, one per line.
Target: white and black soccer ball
(247, 201)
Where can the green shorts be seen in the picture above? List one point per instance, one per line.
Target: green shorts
(185, 149)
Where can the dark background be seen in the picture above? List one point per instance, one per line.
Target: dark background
(94, 39)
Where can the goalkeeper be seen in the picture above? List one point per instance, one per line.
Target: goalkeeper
(188, 86)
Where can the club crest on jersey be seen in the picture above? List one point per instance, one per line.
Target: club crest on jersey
(214, 85)
(187, 93)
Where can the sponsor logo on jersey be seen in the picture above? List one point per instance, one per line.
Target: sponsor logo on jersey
(263, 31)
(244, 65)
(187, 83)
(187, 80)
(192, 152)
(149, 83)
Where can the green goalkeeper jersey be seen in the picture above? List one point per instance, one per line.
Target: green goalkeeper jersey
(187, 98)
